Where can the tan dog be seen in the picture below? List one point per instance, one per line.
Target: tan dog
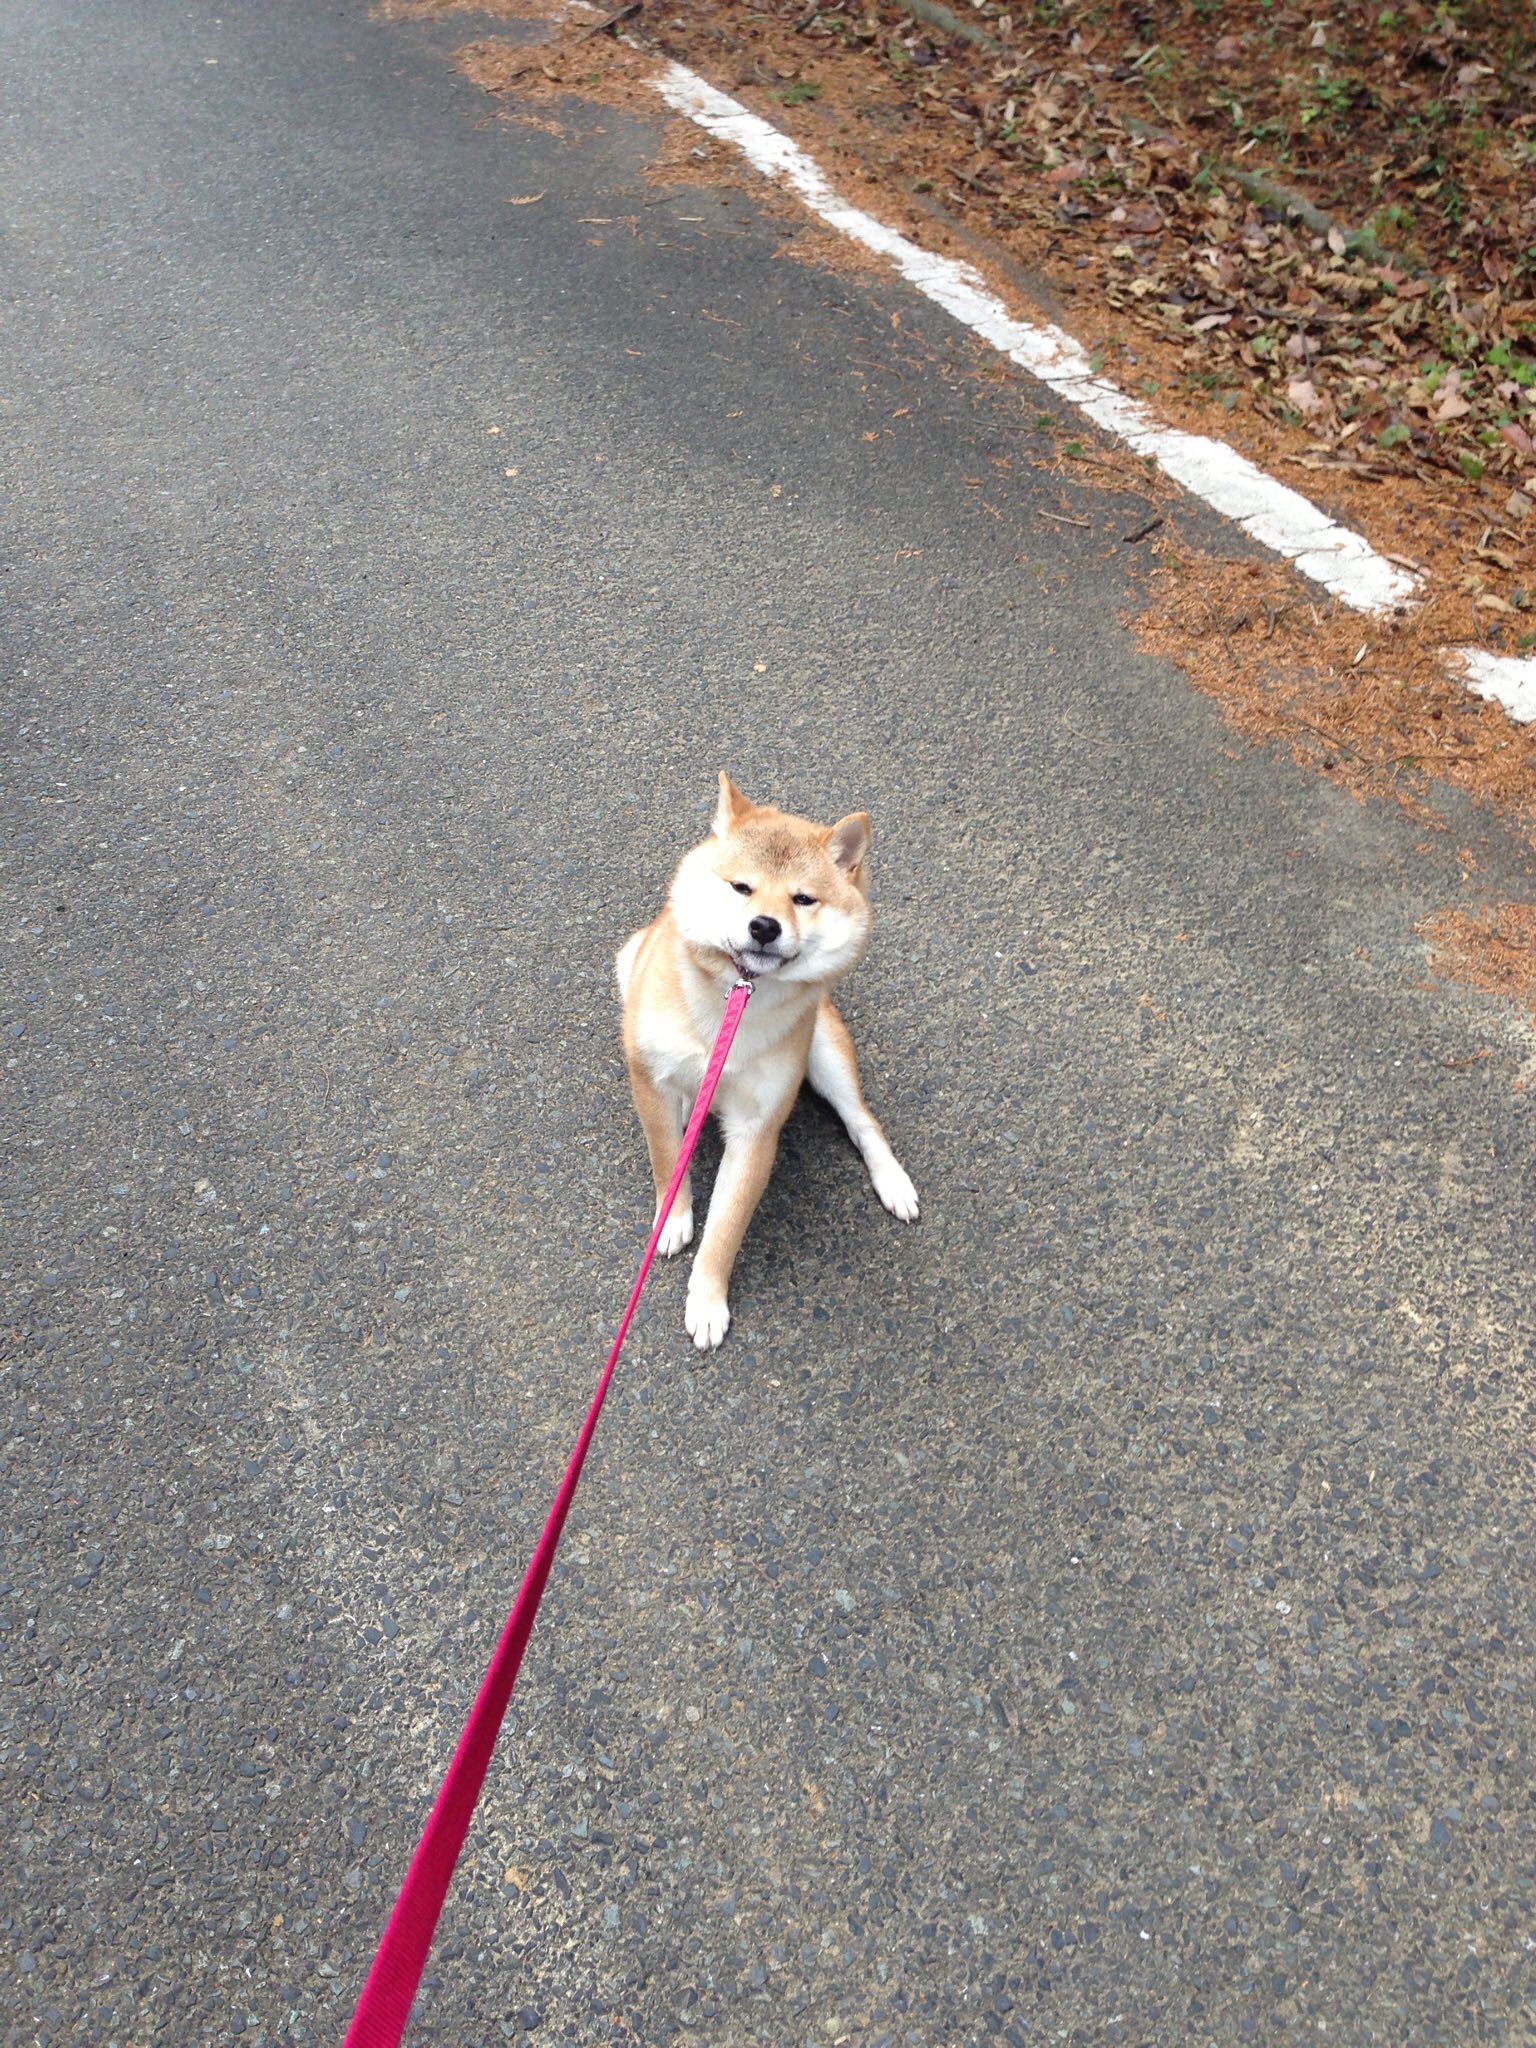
(785, 904)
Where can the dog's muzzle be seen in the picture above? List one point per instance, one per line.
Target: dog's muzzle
(756, 961)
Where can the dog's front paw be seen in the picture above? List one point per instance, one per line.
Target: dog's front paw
(706, 1318)
(895, 1189)
(676, 1231)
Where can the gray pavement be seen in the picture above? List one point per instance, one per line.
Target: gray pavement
(1100, 1614)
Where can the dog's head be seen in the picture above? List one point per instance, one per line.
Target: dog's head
(776, 895)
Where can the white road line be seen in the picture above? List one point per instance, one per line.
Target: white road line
(1506, 678)
(1342, 561)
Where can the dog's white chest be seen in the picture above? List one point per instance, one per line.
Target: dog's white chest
(764, 1061)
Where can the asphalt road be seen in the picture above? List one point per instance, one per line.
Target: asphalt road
(1101, 1613)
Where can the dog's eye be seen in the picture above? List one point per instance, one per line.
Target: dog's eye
(742, 888)
(803, 902)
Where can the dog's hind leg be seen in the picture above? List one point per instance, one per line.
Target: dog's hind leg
(833, 1071)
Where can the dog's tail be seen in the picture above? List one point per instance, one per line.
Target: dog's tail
(629, 952)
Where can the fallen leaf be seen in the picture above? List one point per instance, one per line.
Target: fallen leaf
(1303, 395)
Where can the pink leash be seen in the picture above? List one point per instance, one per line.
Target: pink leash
(385, 2005)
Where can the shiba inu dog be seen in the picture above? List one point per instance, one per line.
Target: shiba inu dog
(785, 904)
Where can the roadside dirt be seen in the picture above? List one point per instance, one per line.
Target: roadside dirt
(1368, 702)
(1493, 951)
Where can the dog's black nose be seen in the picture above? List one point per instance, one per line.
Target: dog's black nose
(764, 930)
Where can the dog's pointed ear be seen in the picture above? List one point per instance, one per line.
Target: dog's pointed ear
(731, 808)
(848, 842)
